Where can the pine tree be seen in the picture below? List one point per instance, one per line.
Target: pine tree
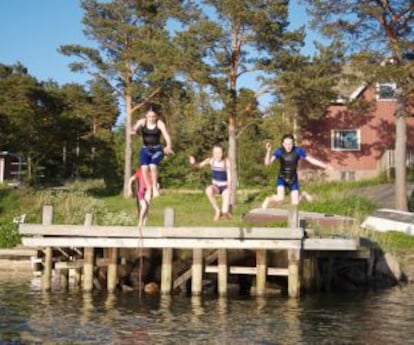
(231, 40)
(133, 55)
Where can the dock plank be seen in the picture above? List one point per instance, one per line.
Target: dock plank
(160, 232)
(190, 243)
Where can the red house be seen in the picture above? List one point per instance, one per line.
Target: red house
(359, 144)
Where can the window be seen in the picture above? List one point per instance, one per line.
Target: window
(347, 175)
(346, 140)
(386, 91)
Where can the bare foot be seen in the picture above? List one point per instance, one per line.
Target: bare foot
(265, 203)
(155, 192)
(227, 216)
(306, 196)
(217, 216)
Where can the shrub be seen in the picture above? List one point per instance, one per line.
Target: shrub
(9, 236)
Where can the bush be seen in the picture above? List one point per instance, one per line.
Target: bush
(9, 236)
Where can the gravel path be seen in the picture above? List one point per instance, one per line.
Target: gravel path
(383, 195)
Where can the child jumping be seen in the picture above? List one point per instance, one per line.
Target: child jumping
(289, 155)
(142, 197)
(221, 181)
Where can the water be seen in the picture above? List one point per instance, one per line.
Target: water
(29, 316)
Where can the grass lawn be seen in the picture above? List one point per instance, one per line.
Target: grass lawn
(190, 209)
(72, 202)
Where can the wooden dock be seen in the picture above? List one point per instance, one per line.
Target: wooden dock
(77, 244)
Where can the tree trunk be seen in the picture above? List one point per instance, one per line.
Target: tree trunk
(233, 157)
(128, 146)
(400, 163)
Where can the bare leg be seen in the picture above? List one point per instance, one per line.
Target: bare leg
(145, 175)
(211, 195)
(305, 196)
(154, 176)
(294, 196)
(275, 198)
(225, 206)
(143, 212)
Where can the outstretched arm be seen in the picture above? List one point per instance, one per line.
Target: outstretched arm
(268, 158)
(317, 162)
(168, 148)
(201, 164)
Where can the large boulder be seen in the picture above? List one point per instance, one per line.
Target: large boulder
(387, 270)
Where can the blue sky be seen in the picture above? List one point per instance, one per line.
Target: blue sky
(32, 30)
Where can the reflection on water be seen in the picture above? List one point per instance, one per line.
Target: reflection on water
(30, 316)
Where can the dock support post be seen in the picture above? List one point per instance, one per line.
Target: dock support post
(222, 272)
(112, 268)
(47, 219)
(197, 272)
(261, 272)
(167, 256)
(294, 257)
(64, 279)
(88, 259)
(294, 274)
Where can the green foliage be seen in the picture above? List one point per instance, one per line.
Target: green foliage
(10, 207)
(60, 132)
(9, 236)
(350, 205)
(392, 241)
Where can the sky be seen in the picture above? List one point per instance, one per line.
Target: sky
(31, 32)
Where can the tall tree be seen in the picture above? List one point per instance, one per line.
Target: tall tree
(235, 38)
(308, 84)
(377, 31)
(134, 55)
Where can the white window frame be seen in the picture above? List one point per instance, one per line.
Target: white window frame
(378, 87)
(358, 133)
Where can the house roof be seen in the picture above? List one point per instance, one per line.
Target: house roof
(348, 88)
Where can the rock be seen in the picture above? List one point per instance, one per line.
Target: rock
(387, 265)
(152, 288)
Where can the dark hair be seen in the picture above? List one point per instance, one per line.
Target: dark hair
(153, 107)
(288, 136)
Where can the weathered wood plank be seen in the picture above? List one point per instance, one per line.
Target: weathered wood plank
(331, 244)
(270, 271)
(161, 243)
(159, 232)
